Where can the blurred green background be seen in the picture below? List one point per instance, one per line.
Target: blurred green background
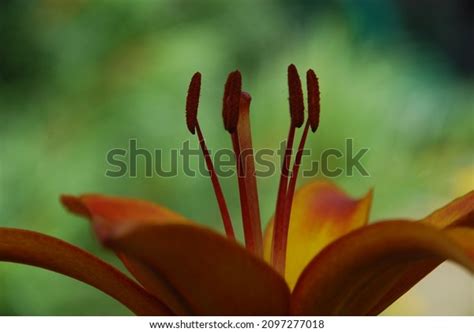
(78, 78)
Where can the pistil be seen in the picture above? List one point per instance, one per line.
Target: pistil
(248, 176)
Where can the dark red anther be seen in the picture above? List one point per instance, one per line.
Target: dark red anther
(192, 102)
(313, 99)
(295, 97)
(231, 101)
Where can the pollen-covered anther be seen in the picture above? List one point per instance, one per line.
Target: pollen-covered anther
(231, 101)
(192, 102)
(313, 99)
(295, 97)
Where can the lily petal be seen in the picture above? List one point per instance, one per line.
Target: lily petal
(465, 238)
(214, 275)
(351, 275)
(113, 216)
(31, 248)
(321, 213)
(459, 212)
(155, 283)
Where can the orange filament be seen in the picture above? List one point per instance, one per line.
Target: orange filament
(278, 250)
(291, 190)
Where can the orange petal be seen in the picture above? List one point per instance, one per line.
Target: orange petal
(31, 248)
(156, 284)
(321, 213)
(351, 275)
(464, 237)
(112, 216)
(459, 212)
(214, 275)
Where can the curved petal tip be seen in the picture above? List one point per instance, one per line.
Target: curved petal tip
(74, 205)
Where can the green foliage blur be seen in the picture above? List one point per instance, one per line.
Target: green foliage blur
(78, 78)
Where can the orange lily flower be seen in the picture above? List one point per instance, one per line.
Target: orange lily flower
(317, 256)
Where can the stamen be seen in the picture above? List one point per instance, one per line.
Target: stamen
(192, 104)
(231, 101)
(313, 122)
(313, 99)
(280, 229)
